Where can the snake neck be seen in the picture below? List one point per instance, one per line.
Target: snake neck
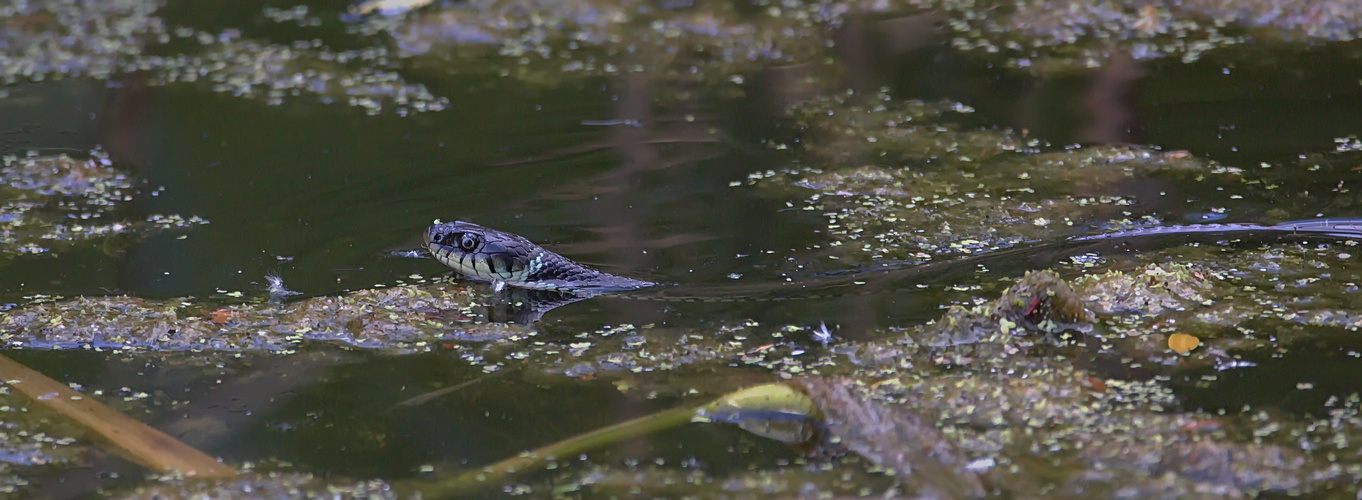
(550, 271)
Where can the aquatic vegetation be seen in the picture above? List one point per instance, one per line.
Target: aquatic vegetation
(1039, 302)
(899, 439)
(74, 38)
(903, 181)
(1005, 369)
(776, 411)
(53, 203)
(535, 40)
(130, 438)
(400, 319)
(274, 73)
(108, 38)
(542, 41)
(34, 438)
(1152, 290)
(264, 484)
(1060, 37)
(1077, 364)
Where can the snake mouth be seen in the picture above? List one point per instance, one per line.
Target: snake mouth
(478, 266)
(442, 253)
(445, 256)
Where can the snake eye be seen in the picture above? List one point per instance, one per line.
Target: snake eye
(468, 242)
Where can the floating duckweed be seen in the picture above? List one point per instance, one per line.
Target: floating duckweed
(74, 38)
(1048, 36)
(275, 73)
(273, 484)
(935, 190)
(53, 202)
(397, 319)
(298, 14)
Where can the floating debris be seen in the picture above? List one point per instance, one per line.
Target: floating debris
(75, 38)
(894, 437)
(131, 439)
(388, 7)
(362, 78)
(275, 286)
(1182, 343)
(928, 189)
(1040, 302)
(821, 334)
(53, 203)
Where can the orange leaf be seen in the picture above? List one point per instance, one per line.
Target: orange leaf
(1182, 343)
(221, 316)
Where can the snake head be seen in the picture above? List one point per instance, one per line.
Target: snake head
(480, 253)
(507, 259)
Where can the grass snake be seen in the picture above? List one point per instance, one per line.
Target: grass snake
(509, 260)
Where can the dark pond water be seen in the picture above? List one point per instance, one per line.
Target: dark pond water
(320, 193)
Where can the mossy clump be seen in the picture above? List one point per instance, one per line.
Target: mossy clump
(1154, 290)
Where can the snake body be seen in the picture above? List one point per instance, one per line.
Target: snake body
(506, 259)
